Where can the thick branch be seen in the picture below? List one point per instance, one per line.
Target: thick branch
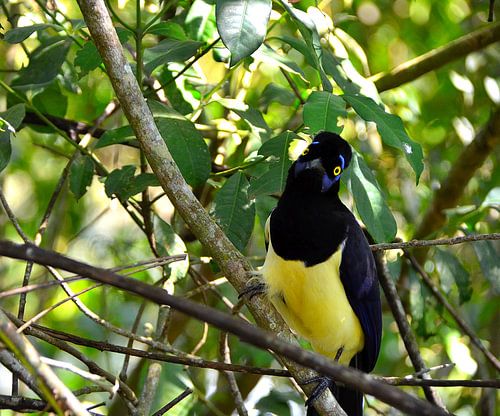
(232, 263)
(471, 158)
(246, 332)
(437, 58)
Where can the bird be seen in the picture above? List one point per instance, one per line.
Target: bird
(319, 271)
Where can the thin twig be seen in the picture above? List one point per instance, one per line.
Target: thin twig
(464, 326)
(405, 331)
(438, 242)
(171, 404)
(225, 354)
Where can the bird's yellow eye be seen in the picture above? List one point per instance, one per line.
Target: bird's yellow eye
(305, 152)
(337, 170)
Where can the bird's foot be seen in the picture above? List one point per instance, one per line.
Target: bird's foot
(324, 383)
(254, 286)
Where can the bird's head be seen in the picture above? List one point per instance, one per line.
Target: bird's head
(321, 164)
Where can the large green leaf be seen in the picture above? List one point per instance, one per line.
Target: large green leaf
(184, 142)
(451, 271)
(20, 34)
(242, 25)
(170, 244)
(123, 184)
(51, 101)
(80, 175)
(170, 30)
(370, 201)
(274, 180)
(234, 210)
(45, 63)
(10, 120)
(169, 50)
(391, 129)
(322, 110)
(119, 135)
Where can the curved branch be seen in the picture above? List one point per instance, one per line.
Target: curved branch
(436, 58)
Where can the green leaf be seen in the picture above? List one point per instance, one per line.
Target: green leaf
(276, 403)
(234, 210)
(170, 244)
(170, 30)
(264, 205)
(274, 180)
(19, 34)
(302, 47)
(119, 135)
(277, 93)
(169, 50)
(451, 270)
(88, 58)
(200, 21)
(51, 101)
(322, 110)
(80, 175)
(5, 149)
(256, 122)
(370, 201)
(242, 25)
(184, 142)
(123, 184)
(488, 257)
(391, 129)
(45, 63)
(14, 116)
(270, 56)
(492, 199)
(12, 119)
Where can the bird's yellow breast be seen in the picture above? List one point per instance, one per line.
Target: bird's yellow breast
(313, 302)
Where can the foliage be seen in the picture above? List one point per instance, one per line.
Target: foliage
(237, 88)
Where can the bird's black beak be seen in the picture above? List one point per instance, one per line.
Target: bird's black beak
(314, 164)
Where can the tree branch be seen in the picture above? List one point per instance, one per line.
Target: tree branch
(437, 58)
(232, 263)
(246, 332)
(452, 188)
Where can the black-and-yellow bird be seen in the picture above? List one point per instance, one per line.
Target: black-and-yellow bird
(319, 270)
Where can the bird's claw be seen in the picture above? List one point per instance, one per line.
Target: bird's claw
(254, 286)
(324, 383)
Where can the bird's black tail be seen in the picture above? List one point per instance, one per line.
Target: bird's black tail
(351, 401)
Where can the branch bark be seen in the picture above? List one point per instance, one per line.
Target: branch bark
(232, 263)
(437, 58)
(246, 332)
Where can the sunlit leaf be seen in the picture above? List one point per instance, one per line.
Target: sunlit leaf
(276, 93)
(51, 101)
(170, 30)
(391, 129)
(322, 110)
(234, 210)
(370, 200)
(200, 21)
(242, 25)
(80, 175)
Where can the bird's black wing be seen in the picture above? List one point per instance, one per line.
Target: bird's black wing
(359, 277)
